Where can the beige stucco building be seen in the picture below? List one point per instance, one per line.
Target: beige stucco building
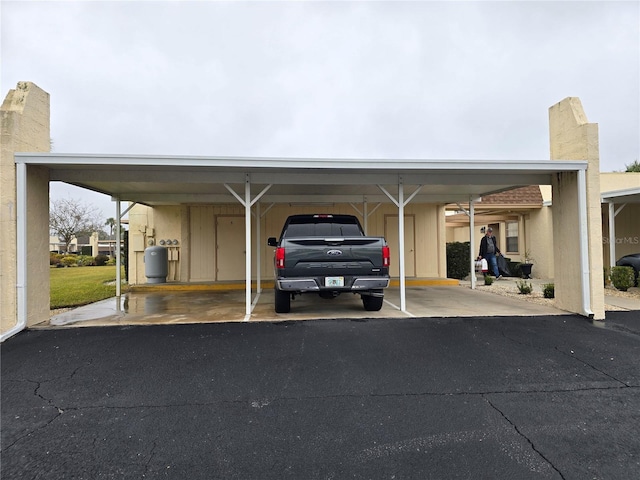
(187, 204)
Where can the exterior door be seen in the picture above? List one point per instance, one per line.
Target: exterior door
(230, 252)
(391, 234)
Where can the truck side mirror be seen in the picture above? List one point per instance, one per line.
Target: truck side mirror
(272, 241)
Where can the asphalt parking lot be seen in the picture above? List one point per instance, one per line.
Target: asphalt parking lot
(465, 397)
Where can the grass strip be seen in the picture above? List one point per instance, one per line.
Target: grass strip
(75, 286)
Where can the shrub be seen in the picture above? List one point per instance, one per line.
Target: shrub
(54, 258)
(85, 260)
(101, 260)
(458, 264)
(488, 279)
(524, 287)
(69, 260)
(549, 290)
(607, 280)
(622, 277)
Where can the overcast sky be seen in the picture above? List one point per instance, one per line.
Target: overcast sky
(429, 80)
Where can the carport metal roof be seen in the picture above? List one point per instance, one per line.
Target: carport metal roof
(160, 180)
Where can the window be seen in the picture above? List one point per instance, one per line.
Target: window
(512, 237)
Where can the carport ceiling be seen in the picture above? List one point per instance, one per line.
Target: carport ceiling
(165, 180)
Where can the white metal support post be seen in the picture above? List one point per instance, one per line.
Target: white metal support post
(400, 203)
(613, 213)
(472, 242)
(403, 299)
(119, 216)
(258, 249)
(247, 245)
(365, 213)
(118, 261)
(247, 203)
(612, 234)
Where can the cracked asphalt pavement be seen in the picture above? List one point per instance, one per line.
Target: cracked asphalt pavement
(503, 397)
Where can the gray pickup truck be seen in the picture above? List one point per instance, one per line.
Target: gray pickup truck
(329, 255)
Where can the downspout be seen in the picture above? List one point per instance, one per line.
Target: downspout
(21, 252)
(584, 245)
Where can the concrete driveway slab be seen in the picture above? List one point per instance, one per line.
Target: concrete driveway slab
(171, 307)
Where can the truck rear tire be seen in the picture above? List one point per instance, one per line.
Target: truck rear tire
(283, 301)
(371, 303)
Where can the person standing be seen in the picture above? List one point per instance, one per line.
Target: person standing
(489, 250)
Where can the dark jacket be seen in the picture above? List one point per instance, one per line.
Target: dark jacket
(483, 246)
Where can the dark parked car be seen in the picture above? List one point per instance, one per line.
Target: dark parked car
(633, 261)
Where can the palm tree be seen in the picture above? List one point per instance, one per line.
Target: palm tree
(111, 223)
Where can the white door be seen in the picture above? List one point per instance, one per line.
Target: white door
(391, 234)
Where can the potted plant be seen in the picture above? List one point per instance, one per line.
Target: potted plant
(525, 267)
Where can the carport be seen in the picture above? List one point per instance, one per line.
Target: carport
(172, 180)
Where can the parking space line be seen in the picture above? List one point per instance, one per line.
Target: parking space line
(409, 314)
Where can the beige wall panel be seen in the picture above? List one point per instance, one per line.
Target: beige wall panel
(610, 182)
(539, 239)
(202, 249)
(38, 291)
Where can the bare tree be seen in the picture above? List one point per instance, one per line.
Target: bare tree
(69, 217)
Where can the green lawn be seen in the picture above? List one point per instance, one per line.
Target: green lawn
(74, 286)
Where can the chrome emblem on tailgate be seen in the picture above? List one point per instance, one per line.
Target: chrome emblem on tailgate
(334, 252)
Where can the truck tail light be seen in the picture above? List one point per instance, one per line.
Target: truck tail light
(386, 257)
(279, 257)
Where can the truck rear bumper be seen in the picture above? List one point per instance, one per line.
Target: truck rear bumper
(315, 284)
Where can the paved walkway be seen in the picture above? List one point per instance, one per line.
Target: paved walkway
(505, 397)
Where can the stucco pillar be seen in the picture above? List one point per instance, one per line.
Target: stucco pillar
(25, 127)
(572, 137)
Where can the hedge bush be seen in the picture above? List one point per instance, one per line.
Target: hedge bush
(458, 265)
(100, 260)
(622, 278)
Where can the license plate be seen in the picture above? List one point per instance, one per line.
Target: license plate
(334, 282)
